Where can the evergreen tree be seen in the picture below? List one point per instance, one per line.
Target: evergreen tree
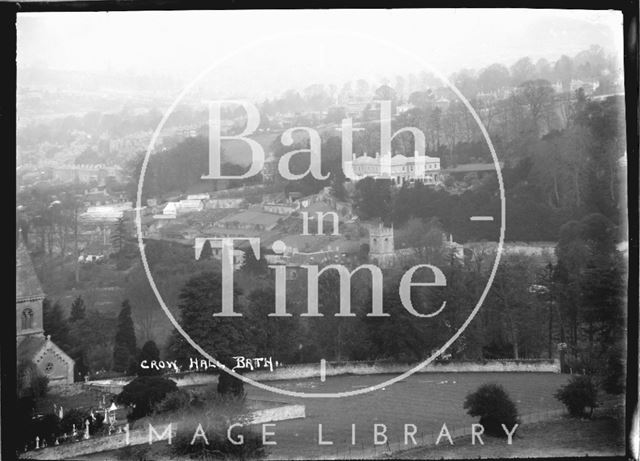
(78, 309)
(272, 336)
(124, 349)
(200, 298)
(253, 266)
(54, 323)
(149, 353)
(207, 252)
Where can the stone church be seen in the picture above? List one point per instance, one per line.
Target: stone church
(31, 343)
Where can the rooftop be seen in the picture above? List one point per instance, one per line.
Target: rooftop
(27, 283)
(29, 346)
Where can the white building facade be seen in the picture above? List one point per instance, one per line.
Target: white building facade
(399, 168)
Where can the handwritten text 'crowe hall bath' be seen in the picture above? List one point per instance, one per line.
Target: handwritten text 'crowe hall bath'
(197, 364)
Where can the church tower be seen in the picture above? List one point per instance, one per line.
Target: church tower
(381, 246)
(29, 296)
(31, 344)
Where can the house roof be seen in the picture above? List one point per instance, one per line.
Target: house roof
(27, 284)
(29, 347)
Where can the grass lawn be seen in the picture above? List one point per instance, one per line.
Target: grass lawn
(427, 400)
(601, 436)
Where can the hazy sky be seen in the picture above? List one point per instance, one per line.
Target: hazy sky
(318, 45)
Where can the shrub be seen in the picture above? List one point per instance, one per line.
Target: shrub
(40, 386)
(30, 382)
(228, 384)
(579, 394)
(47, 428)
(494, 407)
(149, 353)
(144, 392)
(173, 401)
(71, 417)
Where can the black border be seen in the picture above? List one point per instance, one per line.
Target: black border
(631, 70)
(626, 6)
(629, 8)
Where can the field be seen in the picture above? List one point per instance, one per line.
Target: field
(426, 400)
(601, 436)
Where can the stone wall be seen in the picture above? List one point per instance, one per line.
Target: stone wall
(275, 411)
(370, 368)
(94, 445)
(308, 370)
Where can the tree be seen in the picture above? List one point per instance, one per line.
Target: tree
(253, 266)
(563, 71)
(590, 281)
(149, 353)
(55, 324)
(272, 336)
(124, 349)
(373, 199)
(200, 298)
(30, 382)
(522, 71)
(78, 310)
(426, 239)
(494, 407)
(493, 78)
(543, 69)
(537, 95)
(579, 394)
(512, 301)
(386, 93)
(91, 342)
(207, 252)
(422, 99)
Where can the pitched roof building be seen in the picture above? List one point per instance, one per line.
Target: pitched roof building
(31, 343)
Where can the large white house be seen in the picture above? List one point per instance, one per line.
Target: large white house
(399, 168)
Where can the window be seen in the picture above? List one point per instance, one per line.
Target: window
(48, 369)
(27, 319)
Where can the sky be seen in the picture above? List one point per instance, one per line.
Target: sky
(293, 48)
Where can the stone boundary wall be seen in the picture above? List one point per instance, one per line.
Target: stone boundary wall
(309, 370)
(141, 436)
(95, 444)
(372, 368)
